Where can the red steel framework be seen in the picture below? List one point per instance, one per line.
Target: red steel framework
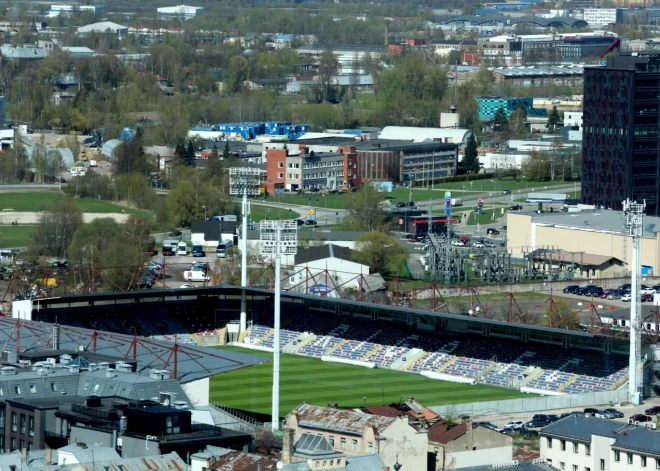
(398, 292)
(25, 335)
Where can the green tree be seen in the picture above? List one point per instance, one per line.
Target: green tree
(54, 232)
(189, 154)
(517, 121)
(380, 251)
(483, 83)
(136, 189)
(214, 152)
(553, 119)
(364, 210)
(129, 156)
(536, 167)
(560, 314)
(236, 73)
(226, 153)
(500, 121)
(471, 158)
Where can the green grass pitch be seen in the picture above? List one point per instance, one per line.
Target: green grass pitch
(319, 382)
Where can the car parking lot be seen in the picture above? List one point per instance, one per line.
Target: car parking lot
(626, 412)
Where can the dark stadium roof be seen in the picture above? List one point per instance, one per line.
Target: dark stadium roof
(557, 22)
(322, 252)
(191, 293)
(193, 362)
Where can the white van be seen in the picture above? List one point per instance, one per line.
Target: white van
(195, 275)
(456, 202)
(182, 249)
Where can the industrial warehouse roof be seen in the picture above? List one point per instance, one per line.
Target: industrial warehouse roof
(26, 53)
(455, 136)
(510, 21)
(193, 362)
(599, 220)
(573, 69)
(101, 27)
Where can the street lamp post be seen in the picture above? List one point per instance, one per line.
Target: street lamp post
(204, 212)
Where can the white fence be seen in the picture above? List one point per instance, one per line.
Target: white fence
(533, 404)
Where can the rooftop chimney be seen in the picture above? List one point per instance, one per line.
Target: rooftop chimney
(24, 455)
(49, 456)
(287, 446)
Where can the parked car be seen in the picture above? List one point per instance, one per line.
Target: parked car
(506, 192)
(516, 207)
(408, 237)
(647, 298)
(513, 423)
(478, 244)
(617, 414)
(655, 410)
(656, 288)
(596, 292)
(624, 287)
(568, 414)
(581, 290)
(152, 266)
(311, 222)
(626, 298)
(553, 418)
(615, 295)
(604, 414)
(493, 231)
(314, 190)
(411, 204)
(401, 204)
(538, 422)
(570, 288)
(420, 238)
(488, 243)
(647, 290)
(63, 264)
(299, 222)
(174, 234)
(640, 418)
(458, 243)
(591, 411)
(186, 285)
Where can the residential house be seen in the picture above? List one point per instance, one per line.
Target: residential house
(356, 82)
(182, 12)
(451, 446)
(356, 433)
(586, 443)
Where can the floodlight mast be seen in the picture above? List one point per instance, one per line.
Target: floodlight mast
(634, 213)
(244, 181)
(277, 238)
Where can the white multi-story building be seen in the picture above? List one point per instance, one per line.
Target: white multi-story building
(573, 118)
(603, 16)
(183, 12)
(578, 443)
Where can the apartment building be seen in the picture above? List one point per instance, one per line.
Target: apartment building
(356, 433)
(579, 443)
(603, 16)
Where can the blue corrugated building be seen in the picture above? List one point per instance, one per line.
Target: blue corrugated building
(249, 131)
(488, 106)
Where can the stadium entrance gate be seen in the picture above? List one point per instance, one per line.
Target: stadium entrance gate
(233, 331)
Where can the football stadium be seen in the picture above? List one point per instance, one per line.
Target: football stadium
(334, 350)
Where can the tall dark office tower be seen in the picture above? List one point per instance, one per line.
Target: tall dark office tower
(620, 156)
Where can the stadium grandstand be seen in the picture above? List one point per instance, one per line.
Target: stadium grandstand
(443, 346)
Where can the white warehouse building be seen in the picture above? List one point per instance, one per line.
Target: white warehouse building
(183, 12)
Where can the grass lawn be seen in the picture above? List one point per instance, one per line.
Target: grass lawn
(319, 382)
(40, 200)
(15, 236)
(259, 213)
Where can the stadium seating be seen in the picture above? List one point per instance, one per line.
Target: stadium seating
(488, 360)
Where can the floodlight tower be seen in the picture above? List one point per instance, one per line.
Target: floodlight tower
(244, 181)
(277, 238)
(634, 213)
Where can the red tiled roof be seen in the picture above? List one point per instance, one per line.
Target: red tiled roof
(444, 433)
